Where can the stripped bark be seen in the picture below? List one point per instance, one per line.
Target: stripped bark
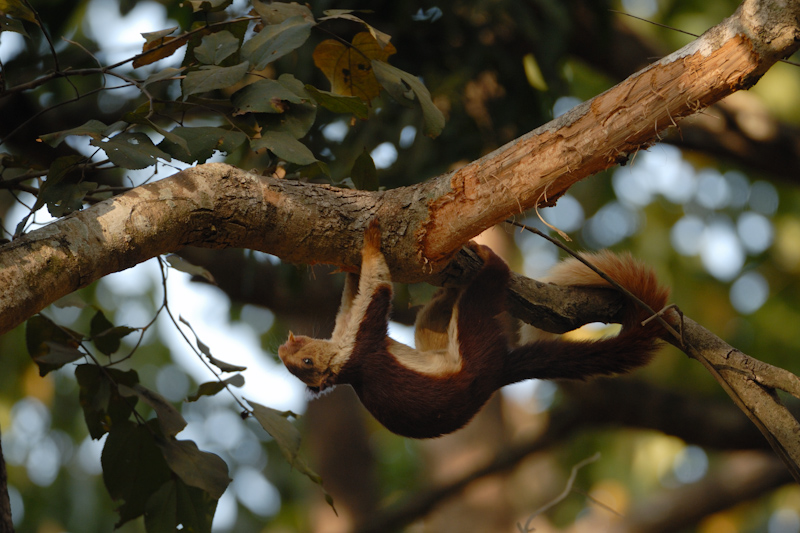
(216, 205)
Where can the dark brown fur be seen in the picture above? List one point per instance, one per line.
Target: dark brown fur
(420, 404)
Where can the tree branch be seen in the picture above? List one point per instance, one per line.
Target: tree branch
(215, 205)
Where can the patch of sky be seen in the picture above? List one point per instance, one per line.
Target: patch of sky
(640, 8)
(713, 191)
(255, 492)
(384, 155)
(690, 464)
(120, 37)
(763, 198)
(335, 131)
(407, 136)
(721, 252)
(564, 104)
(612, 223)
(749, 292)
(686, 235)
(755, 231)
(659, 170)
(533, 395)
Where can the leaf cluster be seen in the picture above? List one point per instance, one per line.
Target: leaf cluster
(147, 470)
(227, 74)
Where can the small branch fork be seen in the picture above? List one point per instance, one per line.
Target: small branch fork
(750, 383)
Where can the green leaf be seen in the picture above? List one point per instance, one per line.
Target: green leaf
(106, 337)
(216, 47)
(179, 263)
(49, 345)
(264, 96)
(210, 388)
(196, 468)
(299, 118)
(151, 36)
(317, 169)
(177, 504)
(277, 12)
(17, 9)
(65, 198)
(170, 137)
(133, 467)
(288, 106)
(364, 173)
(62, 166)
(132, 150)
(225, 367)
(347, 14)
(161, 75)
(275, 41)
(338, 103)
(103, 407)
(212, 77)
(284, 146)
(170, 420)
(92, 128)
(286, 436)
(7, 24)
(201, 142)
(407, 89)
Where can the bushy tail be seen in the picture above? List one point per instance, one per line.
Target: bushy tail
(633, 347)
(631, 273)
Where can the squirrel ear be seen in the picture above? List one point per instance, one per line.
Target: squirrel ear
(291, 337)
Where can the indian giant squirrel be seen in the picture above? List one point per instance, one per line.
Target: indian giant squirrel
(463, 353)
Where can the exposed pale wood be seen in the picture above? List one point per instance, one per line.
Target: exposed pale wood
(216, 205)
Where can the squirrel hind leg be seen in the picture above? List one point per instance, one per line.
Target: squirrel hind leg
(372, 239)
(433, 321)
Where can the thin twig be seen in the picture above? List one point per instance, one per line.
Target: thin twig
(558, 499)
(680, 31)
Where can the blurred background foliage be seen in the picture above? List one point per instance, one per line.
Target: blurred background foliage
(713, 208)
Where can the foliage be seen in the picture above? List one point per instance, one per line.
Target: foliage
(227, 62)
(225, 70)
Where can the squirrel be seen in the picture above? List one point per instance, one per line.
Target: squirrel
(463, 353)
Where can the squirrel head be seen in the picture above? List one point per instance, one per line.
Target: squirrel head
(309, 360)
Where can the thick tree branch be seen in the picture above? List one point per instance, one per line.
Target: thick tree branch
(751, 384)
(540, 166)
(738, 130)
(218, 206)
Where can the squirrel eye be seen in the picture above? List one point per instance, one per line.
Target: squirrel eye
(307, 361)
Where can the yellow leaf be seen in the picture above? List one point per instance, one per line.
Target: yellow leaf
(349, 68)
(164, 46)
(16, 9)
